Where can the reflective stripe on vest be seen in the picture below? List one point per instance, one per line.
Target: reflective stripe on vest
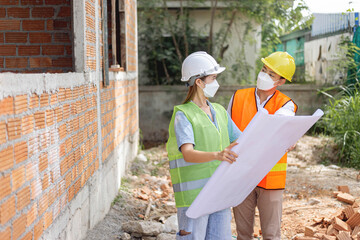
(189, 178)
(244, 108)
(186, 186)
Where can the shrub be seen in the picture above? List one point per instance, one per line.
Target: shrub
(342, 122)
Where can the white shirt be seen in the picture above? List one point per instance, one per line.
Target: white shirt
(288, 109)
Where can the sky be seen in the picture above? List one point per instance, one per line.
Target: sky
(332, 6)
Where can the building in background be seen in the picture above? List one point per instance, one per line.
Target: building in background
(68, 123)
(317, 51)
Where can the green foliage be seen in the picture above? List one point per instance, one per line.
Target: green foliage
(345, 68)
(342, 122)
(167, 36)
(123, 188)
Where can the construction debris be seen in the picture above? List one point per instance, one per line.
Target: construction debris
(345, 225)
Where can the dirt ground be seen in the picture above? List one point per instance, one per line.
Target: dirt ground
(146, 192)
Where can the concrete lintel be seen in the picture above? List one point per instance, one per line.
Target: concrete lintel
(13, 84)
(118, 76)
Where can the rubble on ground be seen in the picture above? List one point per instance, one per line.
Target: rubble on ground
(152, 189)
(146, 195)
(343, 225)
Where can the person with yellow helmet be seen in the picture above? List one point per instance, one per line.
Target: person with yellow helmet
(244, 104)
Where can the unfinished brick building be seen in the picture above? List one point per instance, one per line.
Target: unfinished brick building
(68, 121)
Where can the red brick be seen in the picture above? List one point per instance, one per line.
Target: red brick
(344, 189)
(33, 25)
(34, 101)
(40, 37)
(28, 236)
(40, 120)
(18, 178)
(8, 50)
(35, 188)
(40, 62)
(5, 186)
(14, 128)
(345, 197)
(62, 38)
(31, 215)
(7, 106)
(27, 125)
(43, 203)
(68, 50)
(53, 50)
(32, 2)
(6, 158)
(9, 25)
(16, 37)
(2, 13)
(23, 198)
(354, 220)
(62, 62)
(64, 12)
(61, 25)
(44, 100)
(39, 229)
(50, 24)
(7, 210)
(45, 182)
(6, 234)
(55, 2)
(16, 62)
(43, 162)
(42, 12)
(71, 193)
(1, 61)
(2, 37)
(20, 103)
(48, 217)
(28, 50)
(21, 151)
(30, 171)
(18, 12)
(53, 99)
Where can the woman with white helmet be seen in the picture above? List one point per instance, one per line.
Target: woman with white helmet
(200, 134)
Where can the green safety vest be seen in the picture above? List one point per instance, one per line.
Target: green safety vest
(189, 178)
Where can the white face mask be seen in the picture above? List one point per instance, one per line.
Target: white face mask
(211, 88)
(264, 81)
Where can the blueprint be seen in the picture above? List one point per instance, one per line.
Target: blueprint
(263, 142)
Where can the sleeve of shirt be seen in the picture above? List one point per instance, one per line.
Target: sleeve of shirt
(287, 110)
(230, 105)
(234, 131)
(183, 130)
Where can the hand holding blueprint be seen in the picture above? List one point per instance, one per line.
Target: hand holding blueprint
(262, 144)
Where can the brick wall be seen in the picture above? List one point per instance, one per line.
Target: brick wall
(62, 136)
(35, 36)
(48, 152)
(119, 114)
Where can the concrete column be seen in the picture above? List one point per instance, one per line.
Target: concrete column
(78, 26)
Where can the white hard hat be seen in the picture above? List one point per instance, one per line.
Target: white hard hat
(197, 65)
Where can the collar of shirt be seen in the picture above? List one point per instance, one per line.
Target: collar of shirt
(258, 99)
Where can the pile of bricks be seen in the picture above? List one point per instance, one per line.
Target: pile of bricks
(345, 225)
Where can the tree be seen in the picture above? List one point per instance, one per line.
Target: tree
(167, 35)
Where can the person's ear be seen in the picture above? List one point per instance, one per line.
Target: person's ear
(198, 82)
(280, 82)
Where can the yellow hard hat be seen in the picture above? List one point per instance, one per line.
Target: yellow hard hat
(282, 63)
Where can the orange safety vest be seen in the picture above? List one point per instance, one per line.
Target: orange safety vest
(243, 109)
